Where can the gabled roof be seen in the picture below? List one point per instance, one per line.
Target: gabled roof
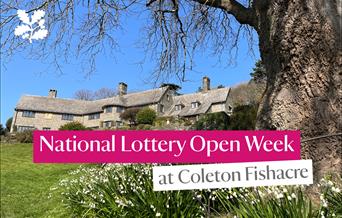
(80, 107)
(206, 99)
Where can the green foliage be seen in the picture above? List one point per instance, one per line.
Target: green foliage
(9, 124)
(146, 116)
(162, 121)
(125, 191)
(268, 202)
(213, 121)
(144, 127)
(259, 74)
(74, 125)
(331, 196)
(2, 130)
(24, 137)
(130, 115)
(243, 117)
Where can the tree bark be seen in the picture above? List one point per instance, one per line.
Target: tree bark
(300, 45)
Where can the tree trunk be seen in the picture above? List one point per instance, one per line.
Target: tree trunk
(300, 45)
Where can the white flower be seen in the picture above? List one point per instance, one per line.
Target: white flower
(293, 195)
(337, 190)
(289, 198)
(158, 214)
(279, 196)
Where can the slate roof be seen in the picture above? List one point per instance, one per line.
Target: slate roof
(80, 107)
(206, 99)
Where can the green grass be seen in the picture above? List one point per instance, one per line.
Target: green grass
(25, 186)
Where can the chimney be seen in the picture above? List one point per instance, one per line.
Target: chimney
(122, 88)
(206, 84)
(52, 93)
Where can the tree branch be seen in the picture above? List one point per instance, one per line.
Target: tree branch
(242, 14)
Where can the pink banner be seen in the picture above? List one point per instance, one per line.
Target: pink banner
(165, 146)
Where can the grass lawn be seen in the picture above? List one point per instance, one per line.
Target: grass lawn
(25, 186)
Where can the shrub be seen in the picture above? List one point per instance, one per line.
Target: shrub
(146, 116)
(24, 137)
(130, 115)
(162, 121)
(243, 117)
(214, 121)
(9, 124)
(2, 130)
(75, 125)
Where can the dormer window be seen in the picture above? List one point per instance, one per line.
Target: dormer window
(119, 109)
(108, 109)
(178, 107)
(195, 104)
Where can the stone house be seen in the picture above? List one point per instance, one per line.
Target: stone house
(50, 112)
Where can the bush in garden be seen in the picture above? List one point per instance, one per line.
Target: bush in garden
(146, 116)
(124, 191)
(214, 121)
(243, 117)
(74, 125)
(24, 137)
(9, 124)
(2, 130)
(130, 115)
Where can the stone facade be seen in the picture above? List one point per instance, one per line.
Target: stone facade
(49, 113)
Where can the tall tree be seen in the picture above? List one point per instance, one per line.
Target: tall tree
(84, 94)
(299, 41)
(259, 74)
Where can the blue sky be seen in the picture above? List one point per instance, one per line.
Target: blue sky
(22, 75)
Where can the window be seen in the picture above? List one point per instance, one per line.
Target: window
(46, 128)
(178, 107)
(108, 109)
(24, 128)
(118, 123)
(107, 124)
(94, 116)
(195, 104)
(161, 108)
(29, 114)
(67, 117)
(168, 97)
(119, 109)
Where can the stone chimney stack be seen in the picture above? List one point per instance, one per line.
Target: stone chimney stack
(122, 88)
(206, 84)
(52, 93)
